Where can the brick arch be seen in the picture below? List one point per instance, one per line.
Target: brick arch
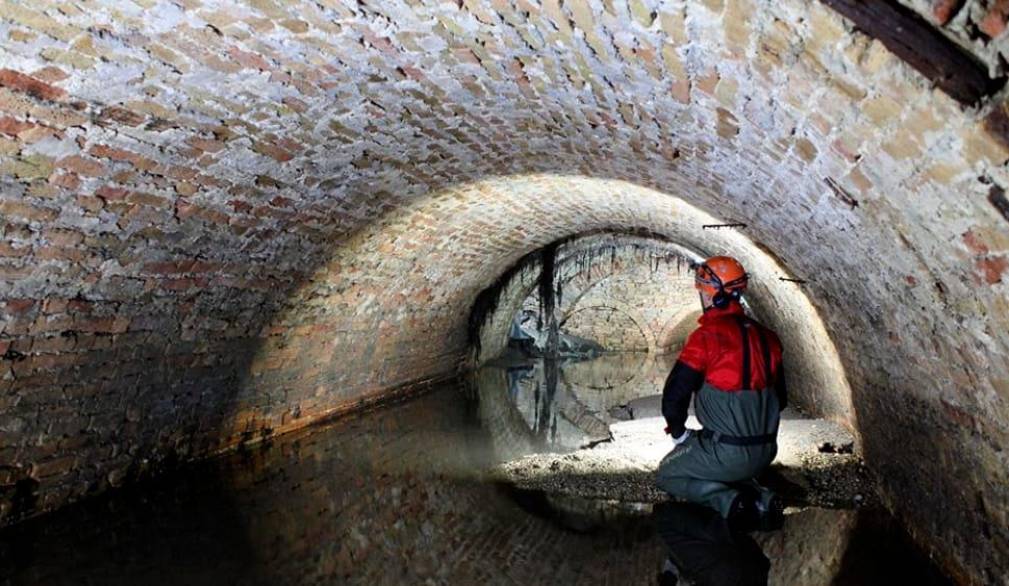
(523, 281)
(177, 184)
(427, 295)
(631, 313)
(644, 304)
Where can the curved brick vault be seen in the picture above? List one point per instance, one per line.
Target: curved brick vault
(382, 314)
(222, 217)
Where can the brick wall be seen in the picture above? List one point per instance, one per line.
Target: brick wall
(628, 295)
(621, 291)
(225, 220)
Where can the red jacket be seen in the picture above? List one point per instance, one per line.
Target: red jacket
(713, 354)
(716, 349)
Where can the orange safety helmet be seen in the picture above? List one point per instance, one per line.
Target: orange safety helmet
(723, 278)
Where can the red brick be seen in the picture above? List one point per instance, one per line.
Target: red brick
(120, 115)
(707, 83)
(249, 60)
(240, 206)
(109, 193)
(205, 267)
(27, 211)
(241, 224)
(51, 362)
(272, 151)
(124, 176)
(79, 305)
(282, 202)
(109, 325)
(81, 166)
(148, 200)
(413, 73)
(994, 23)
(54, 323)
(681, 91)
(992, 268)
(943, 10)
(295, 104)
(214, 216)
(180, 173)
(63, 237)
(15, 272)
(55, 467)
(207, 145)
(90, 203)
(183, 284)
(36, 88)
(50, 74)
(13, 127)
(974, 243)
(8, 250)
(19, 306)
(53, 344)
(186, 189)
(381, 43)
(66, 180)
(59, 253)
(270, 212)
(54, 305)
(106, 152)
(184, 209)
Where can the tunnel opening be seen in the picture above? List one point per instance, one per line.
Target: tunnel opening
(225, 222)
(560, 278)
(546, 335)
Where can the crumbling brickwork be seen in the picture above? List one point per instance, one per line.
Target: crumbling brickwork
(975, 25)
(222, 220)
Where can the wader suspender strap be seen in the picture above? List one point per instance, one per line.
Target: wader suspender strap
(764, 349)
(744, 336)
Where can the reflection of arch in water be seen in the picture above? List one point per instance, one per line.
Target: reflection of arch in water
(510, 437)
(647, 373)
(636, 362)
(510, 431)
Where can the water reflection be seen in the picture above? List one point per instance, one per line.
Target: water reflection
(392, 497)
(543, 405)
(397, 496)
(703, 549)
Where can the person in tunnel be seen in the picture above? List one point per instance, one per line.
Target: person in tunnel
(732, 365)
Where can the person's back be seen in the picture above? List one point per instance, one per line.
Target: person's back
(734, 365)
(741, 361)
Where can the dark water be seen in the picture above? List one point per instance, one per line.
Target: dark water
(398, 496)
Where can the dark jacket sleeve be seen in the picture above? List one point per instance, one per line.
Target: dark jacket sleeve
(779, 388)
(681, 384)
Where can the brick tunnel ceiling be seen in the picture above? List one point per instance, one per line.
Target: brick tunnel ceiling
(222, 219)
